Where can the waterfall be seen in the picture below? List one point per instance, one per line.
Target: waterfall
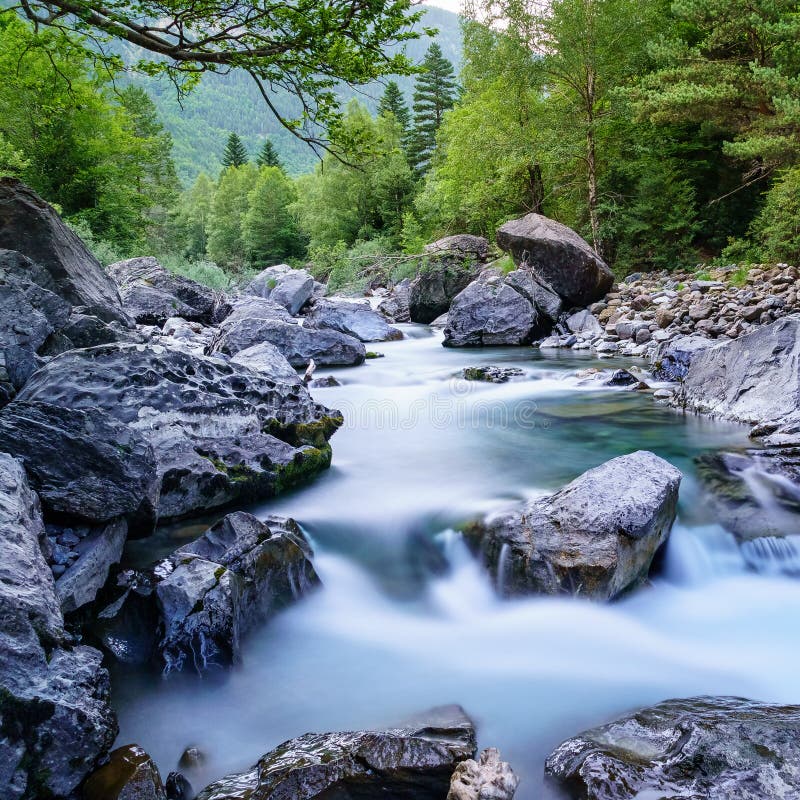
(502, 569)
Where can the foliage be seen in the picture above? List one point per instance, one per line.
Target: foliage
(776, 230)
(393, 103)
(226, 244)
(268, 155)
(235, 153)
(434, 94)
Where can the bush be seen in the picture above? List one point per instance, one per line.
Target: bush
(105, 252)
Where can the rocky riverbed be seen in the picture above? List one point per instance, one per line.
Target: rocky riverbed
(518, 529)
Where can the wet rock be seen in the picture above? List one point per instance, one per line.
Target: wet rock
(490, 312)
(621, 377)
(32, 227)
(558, 257)
(219, 432)
(673, 358)
(488, 778)
(265, 358)
(328, 382)
(289, 288)
(236, 575)
(178, 787)
(414, 761)
(254, 320)
(395, 307)
(130, 774)
(354, 319)
(491, 374)
(151, 294)
(594, 538)
(57, 724)
(84, 465)
(752, 379)
(709, 747)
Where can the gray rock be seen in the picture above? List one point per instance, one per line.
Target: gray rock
(236, 575)
(755, 378)
(84, 464)
(152, 295)
(488, 778)
(267, 359)
(395, 307)
(719, 748)
(32, 227)
(289, 288)
(57, 724)
(130, 774)
(595, 538)
(584, 323)
(354, 319)
(192, 337)
(254, 320)
(220, 432)
(546, 301)
(558, 257)
(414, 761)
(462, 245)
(491, 373)
(490, 312)
(674, 357)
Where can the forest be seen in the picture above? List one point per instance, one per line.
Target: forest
(666, 133)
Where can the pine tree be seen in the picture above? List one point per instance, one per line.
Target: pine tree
(268, 156)
(235, 154)
(434, 93)
(393, 103)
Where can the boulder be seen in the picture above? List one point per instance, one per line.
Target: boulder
(85, 465)
(219, 431)
(354, 319)
(490, 312)
(129, 774)
(236, 575)
(544, 300)
(720, 748)
(267, 359)
(673, 358)
(255, 320)
(395, 307)
(488, 778)
(414, 761)
(755, 378)
(584, 323)
(595, 538)
(32, 227)
(558, 258)
(193, 337)
(57, 724)
(460, 245)
(151, 294)
(289, 288)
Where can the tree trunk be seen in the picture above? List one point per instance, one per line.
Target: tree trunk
(535, 189)
(591, 162)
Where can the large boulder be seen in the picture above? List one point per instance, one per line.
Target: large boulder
(255, 320)
(411, 762)
(129, 774)
(152, 295)
(289, 288)
(354, 319)
(546, 302)
(595, 538)
(558, 257)
(220, 432)
(755, 378)
(673, 357)
(215, 590)
(266, 358)
(718, 748)
(54, 698)
(490, 312)
(32, 227)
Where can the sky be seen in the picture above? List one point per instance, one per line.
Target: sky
(448, 5)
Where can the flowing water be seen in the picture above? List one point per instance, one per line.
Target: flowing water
(407, 620)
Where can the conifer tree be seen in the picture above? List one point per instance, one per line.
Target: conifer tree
(268, 155)
(393, 103)
(235, 154)
(434, 93)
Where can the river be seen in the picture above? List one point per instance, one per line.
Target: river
(406, 620)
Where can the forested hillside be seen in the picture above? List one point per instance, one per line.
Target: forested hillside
(222, 103)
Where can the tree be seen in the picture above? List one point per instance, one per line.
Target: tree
(226, 243)
(235, 153)
(392, 102)
(193, 214)
(269, 229)
(434, 94)
(268, 155)
(306, 50)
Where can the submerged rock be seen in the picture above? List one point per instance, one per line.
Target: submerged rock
(491, 373)
(558, 258)
(54, 698)
(414, 761)
(354, 319)
(151, 294)
(130, 774)
(594, 538)
(220, 432)
(488, 778)
(718, 748)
